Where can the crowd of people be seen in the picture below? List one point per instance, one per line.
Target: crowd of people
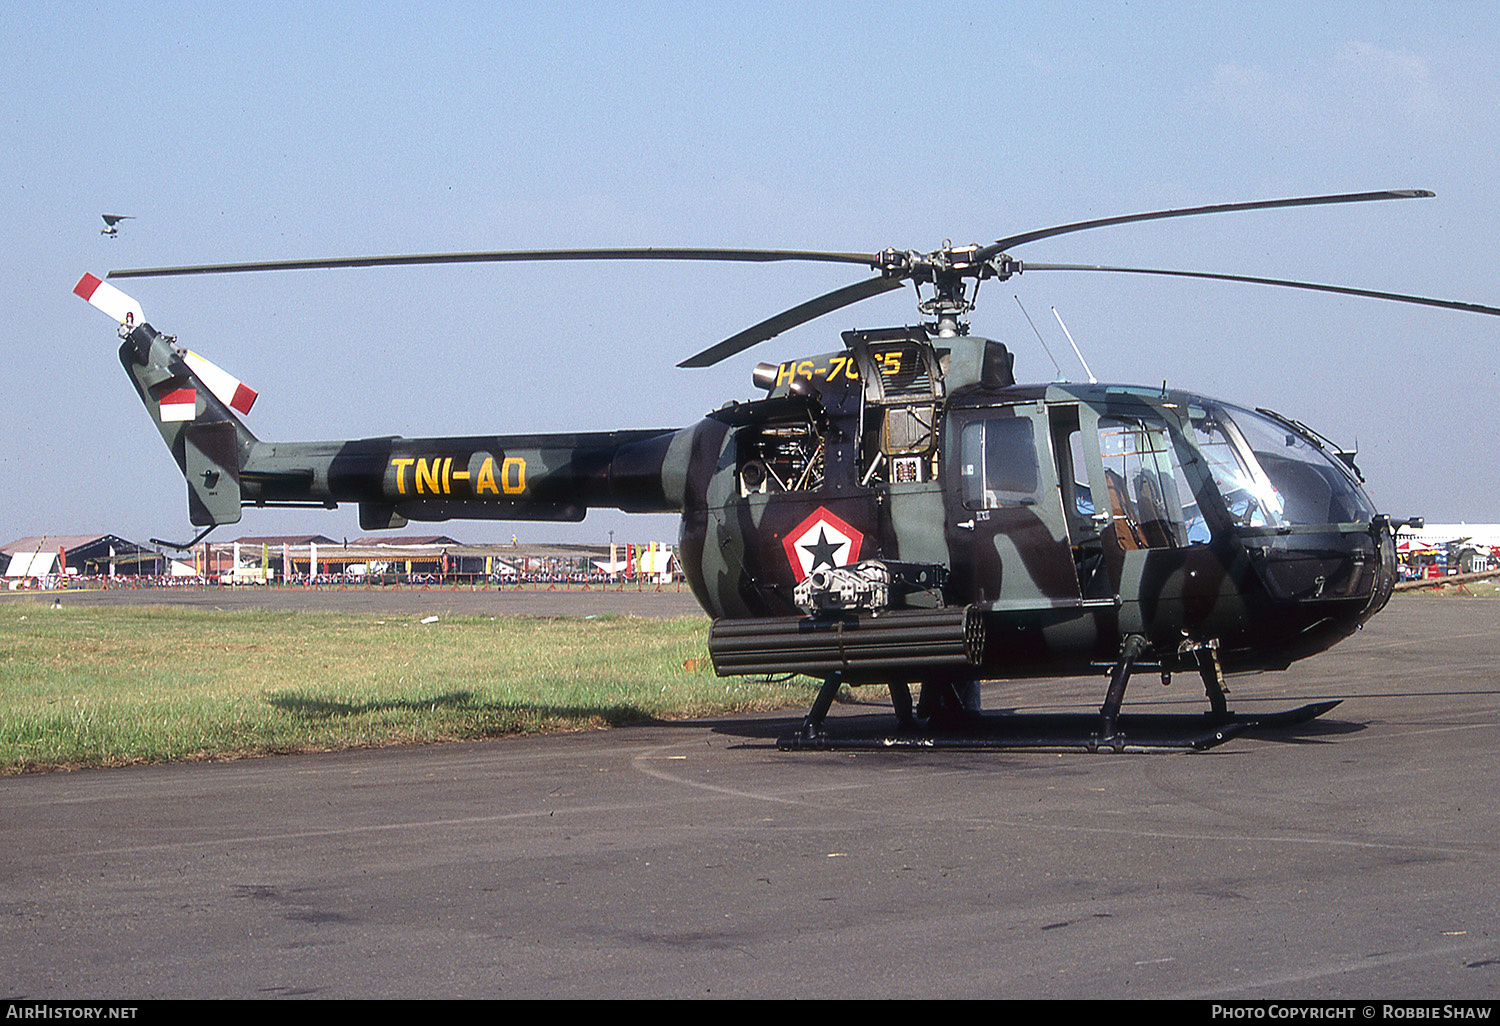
(54, 582)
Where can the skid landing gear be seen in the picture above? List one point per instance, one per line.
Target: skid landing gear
(812, 723)
(1108, 731)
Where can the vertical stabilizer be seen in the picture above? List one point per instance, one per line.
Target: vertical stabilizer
(192, 402)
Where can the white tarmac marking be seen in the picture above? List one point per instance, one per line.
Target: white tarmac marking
(1353, 965)
(639, 763)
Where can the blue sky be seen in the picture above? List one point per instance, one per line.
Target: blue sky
(263, 131)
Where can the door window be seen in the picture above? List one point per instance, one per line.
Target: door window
(998, 463)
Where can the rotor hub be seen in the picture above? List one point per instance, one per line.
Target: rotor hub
(947, 307)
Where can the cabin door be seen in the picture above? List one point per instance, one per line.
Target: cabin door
(1008, 533)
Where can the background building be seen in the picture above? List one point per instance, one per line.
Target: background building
(86, 555)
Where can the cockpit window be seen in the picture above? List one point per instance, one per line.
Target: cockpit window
(1150, 501)
(1249, 497)
(1271, 475)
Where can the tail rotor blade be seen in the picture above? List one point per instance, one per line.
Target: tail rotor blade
(229, 390)
(104, 296)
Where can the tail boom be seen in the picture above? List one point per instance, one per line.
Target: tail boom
(493, 477)
(196, 406)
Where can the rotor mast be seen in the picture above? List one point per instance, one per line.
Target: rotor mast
(945, 270)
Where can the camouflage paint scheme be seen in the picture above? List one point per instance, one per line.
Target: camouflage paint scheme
(855, 456)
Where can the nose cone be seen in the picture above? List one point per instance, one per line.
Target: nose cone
(1386, 570)
(1324, 583)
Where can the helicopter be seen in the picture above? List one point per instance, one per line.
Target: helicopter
(896, 511)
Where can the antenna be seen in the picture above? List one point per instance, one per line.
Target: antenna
(1092, 380)
(1041, 340)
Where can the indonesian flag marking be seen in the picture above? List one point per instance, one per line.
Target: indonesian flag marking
(179, 404)
(104, 296)
(227, 388)
(821, 540)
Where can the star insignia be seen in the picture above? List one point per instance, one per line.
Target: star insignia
(823, 550)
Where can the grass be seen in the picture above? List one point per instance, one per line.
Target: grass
(111, 686)
(1470, 589)
(83, 687)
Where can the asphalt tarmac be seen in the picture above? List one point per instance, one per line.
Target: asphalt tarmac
(1355, 857)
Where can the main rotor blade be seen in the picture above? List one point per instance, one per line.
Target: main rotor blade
(1001, 245)
(1447, 304)
(799, 314)
(506, 256)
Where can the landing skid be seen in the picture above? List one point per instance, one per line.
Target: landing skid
(1109, 731)
(1134, 733)
(1013, 736)
(1285, 718)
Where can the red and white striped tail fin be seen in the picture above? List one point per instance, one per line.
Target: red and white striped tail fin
(193, 404)
(179, 405)
(106, 297)
(229, 390)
